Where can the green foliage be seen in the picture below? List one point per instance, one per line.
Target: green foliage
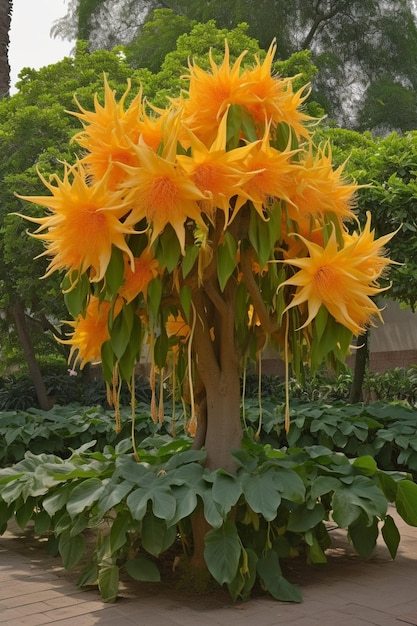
(138, 507)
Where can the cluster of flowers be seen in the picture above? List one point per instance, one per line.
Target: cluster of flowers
(186, 168)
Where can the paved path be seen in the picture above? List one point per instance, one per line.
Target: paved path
(35, 590)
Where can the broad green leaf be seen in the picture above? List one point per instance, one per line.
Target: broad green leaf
(269, 571)
(367, 464)
(57, 500)
(25, 512)
(42, 523)
(391, 535)
(156, 536)
(245, 577)
(222, 552)
(364, 535)
(118, 530)
(362, 494)
(186, 500)
(323, 485)
(83, 495)
(302, 519)
(143, 569)
(234, 122)
(89, 575)
(111, 495)
(261, 493)
(108, 582)
(71, 549)
(226, 491)
(406, 501)
(290, 485)
(161, 349)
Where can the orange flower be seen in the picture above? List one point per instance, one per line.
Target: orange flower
(110, 130)
(217, 173)
(332, 277)
(84, 224)
(162, 194)
(273, 175)
(137, 280)
(210, 94)
(90, 332)
(319, 188)
(269, 97)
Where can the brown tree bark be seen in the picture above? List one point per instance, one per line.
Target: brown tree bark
(361, 360)
(34, 370)
(5, 20)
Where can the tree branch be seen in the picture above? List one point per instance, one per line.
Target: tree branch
(268, 324)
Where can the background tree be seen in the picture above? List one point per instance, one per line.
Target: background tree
(363, 49)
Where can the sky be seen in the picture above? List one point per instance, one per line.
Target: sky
(30, 42)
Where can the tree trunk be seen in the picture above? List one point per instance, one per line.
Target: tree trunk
(5, 19)
(361, 360)
(34, 370)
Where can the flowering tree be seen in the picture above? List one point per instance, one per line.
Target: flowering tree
(208, 229)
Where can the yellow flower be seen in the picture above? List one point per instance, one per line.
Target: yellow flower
(273, 175)
(90, 333)
(161, 193)
(217, 173)
(110, 130)
(332, 277)
(210, 94)
(137, 280)
(84, 224)
(267, 96)
(319, 188)
(369, 253)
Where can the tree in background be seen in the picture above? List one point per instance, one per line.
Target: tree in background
(364, 49)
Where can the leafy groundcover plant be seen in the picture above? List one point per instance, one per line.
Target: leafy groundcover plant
(275, 505)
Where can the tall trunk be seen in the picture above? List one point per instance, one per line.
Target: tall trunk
(34, 370)
(5, 20)
(361, 359)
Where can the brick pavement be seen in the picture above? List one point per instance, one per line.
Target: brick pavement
(347, 591)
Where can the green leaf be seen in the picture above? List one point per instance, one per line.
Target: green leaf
(118, 530)
(226, 259)
(185, 299)
(364, 535)
(120, 331)
(406, 501)
(269, 571)
(25, 512)
(115, 271)
(361, 494)
(161, 349)
(75, 297)
(261, 493)
(156, 536)
(191, 254)
(143, 569)
(226, 491)
(57, 500)
(391, 535)
(186, 500)
(83, 495)
(71, 549)
(302, 519)
(367, 464)
(168, 249)
(222, 552)
(245, 577)
(234, 122)
(111, 495)
(290, 485)
(108, 582)
(154, 295)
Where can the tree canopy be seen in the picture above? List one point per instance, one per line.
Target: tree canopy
(365, 50)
